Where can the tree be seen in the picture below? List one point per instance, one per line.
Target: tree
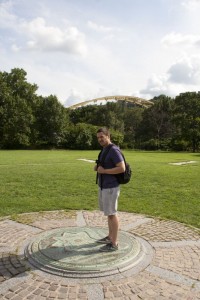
(28, 120)
(82, 136)
(4, 94)
(186, 117)
(51, 122)
(17, 98)
(132, 121)
(109, 115)
(156, 125)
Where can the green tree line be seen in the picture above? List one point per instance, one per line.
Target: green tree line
(30, 121)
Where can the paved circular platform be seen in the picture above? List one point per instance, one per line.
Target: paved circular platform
(36, 249)
(74, 252)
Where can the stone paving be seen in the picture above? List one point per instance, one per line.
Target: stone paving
(173, 272)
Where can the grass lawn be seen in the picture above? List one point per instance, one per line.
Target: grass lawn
(52, 180)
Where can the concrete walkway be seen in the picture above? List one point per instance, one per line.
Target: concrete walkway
(173, 272)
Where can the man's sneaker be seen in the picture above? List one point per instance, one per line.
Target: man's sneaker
(109, 248)
(105, 240)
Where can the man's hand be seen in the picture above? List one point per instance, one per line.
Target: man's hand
(101, 170)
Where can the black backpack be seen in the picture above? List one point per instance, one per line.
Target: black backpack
(122, 178)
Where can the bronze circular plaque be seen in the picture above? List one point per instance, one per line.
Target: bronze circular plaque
(74, 252)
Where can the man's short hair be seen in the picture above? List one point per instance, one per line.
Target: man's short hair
(104, 130)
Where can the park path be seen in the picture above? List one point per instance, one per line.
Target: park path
(173, 271)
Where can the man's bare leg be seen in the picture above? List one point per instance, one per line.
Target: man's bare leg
(109, 228)
(113, 225)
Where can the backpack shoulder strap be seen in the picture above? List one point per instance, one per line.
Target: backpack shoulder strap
(104, 154)
(123, 157)
(101, 160)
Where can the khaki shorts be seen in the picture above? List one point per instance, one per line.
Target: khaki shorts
(108, 200)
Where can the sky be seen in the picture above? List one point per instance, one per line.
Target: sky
(79, 50)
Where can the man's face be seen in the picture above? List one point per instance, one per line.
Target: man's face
(103, 139)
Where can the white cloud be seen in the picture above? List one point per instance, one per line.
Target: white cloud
(191, 4)
(182, 76)
(51, 38)
(74, 97)
(15, 48)
(110, 53)
(7, 19)
(186, 71)
(39, 36)
(156, 86)
(107, 33)
(100, 28)
(187, 40)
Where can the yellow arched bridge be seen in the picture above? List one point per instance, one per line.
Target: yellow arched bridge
(136, 100)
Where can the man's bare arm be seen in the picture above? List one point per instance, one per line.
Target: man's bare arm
(119, 168)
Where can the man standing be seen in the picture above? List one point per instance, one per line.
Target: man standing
(109, 188)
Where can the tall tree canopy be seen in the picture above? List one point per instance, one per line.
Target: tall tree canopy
(187, 118)
(17, 101)
(28, 120)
